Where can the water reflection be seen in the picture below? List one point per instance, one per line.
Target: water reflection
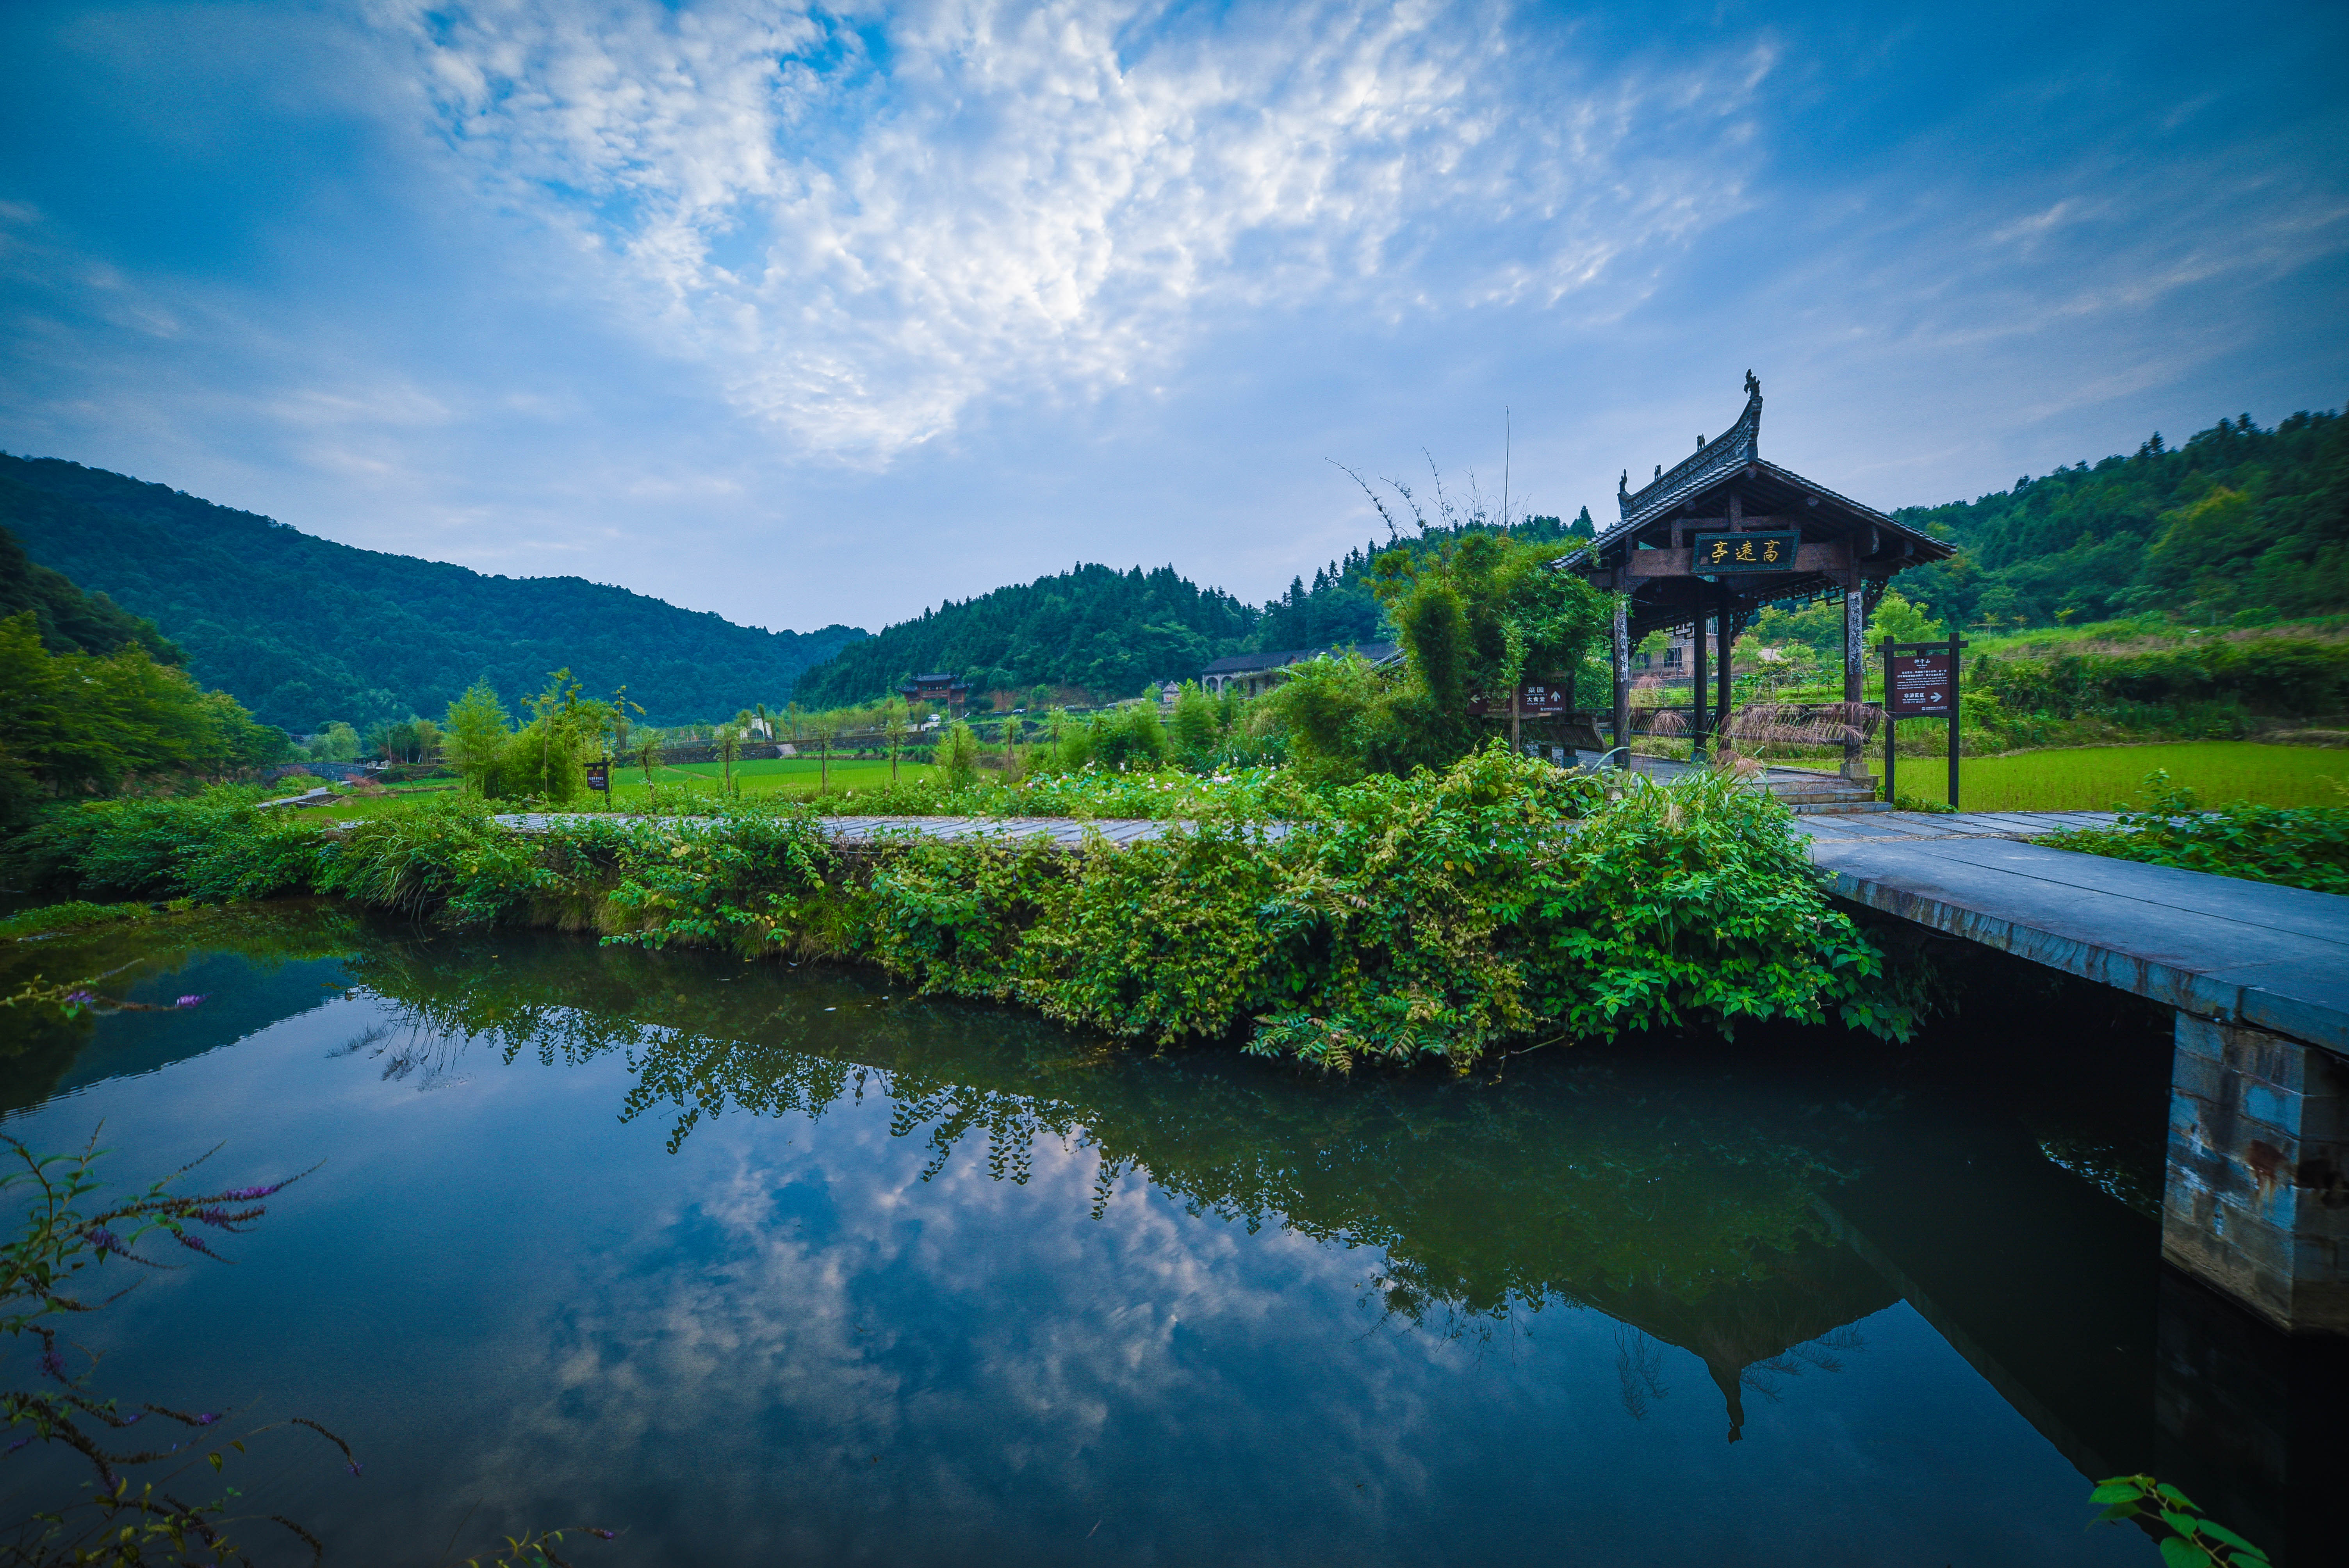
(788, 1264)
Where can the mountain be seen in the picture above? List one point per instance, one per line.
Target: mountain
(303, 630)
(1112, 632)
(71, 621)
(1091, 626)
(2239, 524)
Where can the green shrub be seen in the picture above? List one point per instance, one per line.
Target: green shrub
(215, 846)
(2304, 847)
(1394, 919)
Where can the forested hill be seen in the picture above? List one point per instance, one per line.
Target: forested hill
(71, 621)
(1092, 626)
(303, 630)
(2239, 524)
(1113, 631)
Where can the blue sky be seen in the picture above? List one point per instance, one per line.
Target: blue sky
(802, 315)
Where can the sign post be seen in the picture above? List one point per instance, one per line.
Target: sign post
(599, 776)
(1921, 681)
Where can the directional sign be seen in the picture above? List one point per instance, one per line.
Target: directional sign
(1723, 554)
(1917, 684)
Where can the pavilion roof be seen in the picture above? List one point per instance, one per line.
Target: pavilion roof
(1695, 491)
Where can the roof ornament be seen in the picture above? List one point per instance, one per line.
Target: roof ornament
(1752, 386)
(1659, 470)
(1699, 443)
(1623, 484)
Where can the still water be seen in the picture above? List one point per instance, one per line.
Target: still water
(764, 1266)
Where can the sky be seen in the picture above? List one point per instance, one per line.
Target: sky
(810, 315)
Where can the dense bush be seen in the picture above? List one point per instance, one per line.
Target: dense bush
(2306, 847)
(2292, 676)
(1437, 916)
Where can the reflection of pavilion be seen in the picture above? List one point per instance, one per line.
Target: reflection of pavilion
(1750, 1333)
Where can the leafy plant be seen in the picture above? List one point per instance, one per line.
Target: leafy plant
(2304, 847)
(66, 1233)
(2189, 1539)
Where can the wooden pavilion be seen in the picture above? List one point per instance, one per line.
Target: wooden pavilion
(1704, 545)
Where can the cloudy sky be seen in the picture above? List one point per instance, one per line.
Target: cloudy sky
(805, 315)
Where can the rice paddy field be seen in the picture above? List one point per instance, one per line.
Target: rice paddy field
(2096, 778)
(792, 778)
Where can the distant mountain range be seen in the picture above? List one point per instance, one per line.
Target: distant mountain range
(303, 630)
(2239, 523)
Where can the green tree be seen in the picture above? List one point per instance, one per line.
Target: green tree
(334, 742)
(893, 732)
(477, 728)
(1902, 622)
(958, 755)
(1193, 724)
(1476, 613)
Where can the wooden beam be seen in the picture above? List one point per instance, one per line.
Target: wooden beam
(1834, 556)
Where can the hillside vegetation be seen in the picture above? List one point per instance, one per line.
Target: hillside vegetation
(303, 630)
(2241, 525)
(1111, 631)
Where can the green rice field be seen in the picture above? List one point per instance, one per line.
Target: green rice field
(2094, 778)
(790, 777)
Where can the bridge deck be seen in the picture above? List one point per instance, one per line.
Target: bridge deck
(2274, 957)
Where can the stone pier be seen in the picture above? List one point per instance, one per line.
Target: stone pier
(2256, 1201)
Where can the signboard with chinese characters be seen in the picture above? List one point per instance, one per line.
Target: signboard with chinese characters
(1916, 685)
(1536, 699)
(1720, 554)
(599, 776)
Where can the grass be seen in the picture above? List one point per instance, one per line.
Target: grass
(2096, 778)
(791, 778)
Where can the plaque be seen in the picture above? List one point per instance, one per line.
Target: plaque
(1725, 554)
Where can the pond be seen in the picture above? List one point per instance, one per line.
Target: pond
(758, 1265)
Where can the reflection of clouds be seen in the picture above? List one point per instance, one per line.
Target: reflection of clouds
(962, 1329)
(505, 1294)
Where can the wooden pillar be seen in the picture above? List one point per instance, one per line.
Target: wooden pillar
(1697, 725)
(1855, 668)
(1623, 653)
(1725, 676)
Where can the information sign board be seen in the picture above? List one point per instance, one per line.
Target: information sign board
(1725, 554)
(599, 776)
(1917, 684)
(1536, 699)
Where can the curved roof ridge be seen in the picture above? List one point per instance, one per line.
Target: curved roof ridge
(1733, 448)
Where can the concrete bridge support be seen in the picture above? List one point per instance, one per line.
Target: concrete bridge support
(2256, 1201)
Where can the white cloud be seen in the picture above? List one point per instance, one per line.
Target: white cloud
(865, 224)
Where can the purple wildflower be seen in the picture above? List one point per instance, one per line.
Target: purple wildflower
(20, 1443)
(52, 1362)
(353, 1467)
(250, 1194)
(206, 1419)
(103, 1240)
(196, 1244)
(604, 1535)
(190, 1001)
(81, 996)
(213, 1216)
